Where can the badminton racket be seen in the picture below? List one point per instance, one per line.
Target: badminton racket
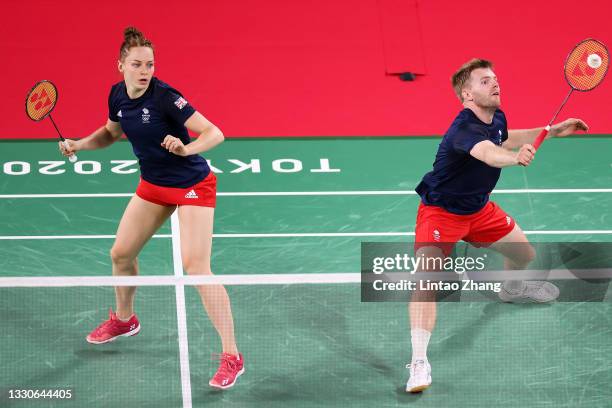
(585, 68)
(40, 102)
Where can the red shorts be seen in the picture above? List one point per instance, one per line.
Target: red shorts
(437, 227)
(203, 194)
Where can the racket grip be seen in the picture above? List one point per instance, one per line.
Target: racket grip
(541, 137)
(72, 157)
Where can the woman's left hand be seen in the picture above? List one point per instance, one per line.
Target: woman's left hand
(174, 145)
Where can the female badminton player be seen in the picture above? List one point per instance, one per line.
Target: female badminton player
(155, 118)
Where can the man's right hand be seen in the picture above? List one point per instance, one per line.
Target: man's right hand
(525, 155)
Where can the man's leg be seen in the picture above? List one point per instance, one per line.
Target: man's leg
(518, 253)
(422, 310)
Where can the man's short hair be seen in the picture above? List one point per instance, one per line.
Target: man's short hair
(462, 76)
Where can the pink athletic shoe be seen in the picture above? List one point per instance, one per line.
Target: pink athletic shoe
(230, 368)
(113, 328)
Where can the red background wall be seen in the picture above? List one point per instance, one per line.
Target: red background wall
(303, 68)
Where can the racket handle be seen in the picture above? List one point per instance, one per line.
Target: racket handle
(541, 137)
(72, 157)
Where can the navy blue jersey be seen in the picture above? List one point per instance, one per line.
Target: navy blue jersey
(460, 183)
(146, 121)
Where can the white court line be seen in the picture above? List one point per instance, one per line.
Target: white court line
(181, 312)
(296, 235)
(318, 193)
(169, 280)
(19, 237)
(280, 279)
(390, 234)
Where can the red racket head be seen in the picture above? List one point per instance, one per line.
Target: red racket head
(41, 100)
(586, 66)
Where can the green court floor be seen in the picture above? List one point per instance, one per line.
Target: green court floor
(305, 345)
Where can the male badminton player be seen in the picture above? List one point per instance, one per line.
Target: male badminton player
(455, 201)
(155, 118)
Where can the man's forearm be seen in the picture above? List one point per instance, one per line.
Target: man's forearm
(498, 157)
(519, 137)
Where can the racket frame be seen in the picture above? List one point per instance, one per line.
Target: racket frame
(72, 157)
(544, 132)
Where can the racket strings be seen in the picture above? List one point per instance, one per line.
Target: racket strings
(587, 65)
(41, 100)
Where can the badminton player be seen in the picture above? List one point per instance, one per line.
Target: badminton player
(155, 118)
(455, 201)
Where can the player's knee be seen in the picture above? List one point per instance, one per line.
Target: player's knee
(424, 296)
(120, 255)
(525, 256)
(529, 254)
(431, 259)
(196, 266)
(432, 264)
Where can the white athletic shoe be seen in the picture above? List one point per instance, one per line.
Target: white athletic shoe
(533, 292)
(420, 376)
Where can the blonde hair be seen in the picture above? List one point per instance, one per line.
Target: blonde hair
(132, 38)
(462, 76)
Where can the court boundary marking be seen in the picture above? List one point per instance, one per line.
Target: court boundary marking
(178, 280)
(181, 311)
(280, 279)
(294, 235)
(316, 193)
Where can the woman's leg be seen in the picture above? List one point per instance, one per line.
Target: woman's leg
(196, 226)
(139, 222)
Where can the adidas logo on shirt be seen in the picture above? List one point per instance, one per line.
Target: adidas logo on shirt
(191, 194)
(119, 114)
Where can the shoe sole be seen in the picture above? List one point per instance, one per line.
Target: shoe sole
(221, 387)
(130, 333)
(420, 388)
(509, 298)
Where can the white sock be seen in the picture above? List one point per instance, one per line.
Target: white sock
(420, 340)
